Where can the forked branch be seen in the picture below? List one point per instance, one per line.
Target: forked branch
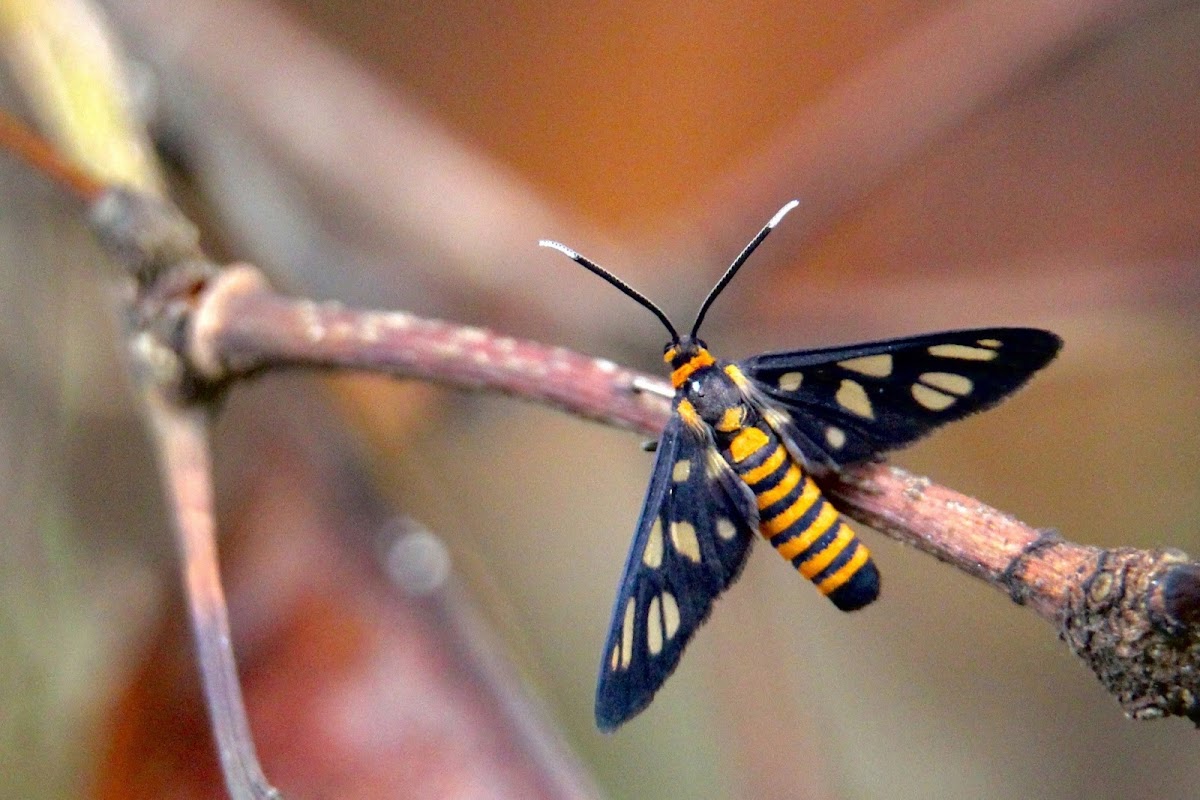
(159, 247)
(1130, 614)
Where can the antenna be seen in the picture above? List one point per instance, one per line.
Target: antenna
(629, 291)
(737, 263)
(624, 287)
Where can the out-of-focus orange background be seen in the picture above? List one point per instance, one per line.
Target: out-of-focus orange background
(658, 137)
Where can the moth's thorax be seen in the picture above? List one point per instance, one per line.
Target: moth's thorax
(716, 399)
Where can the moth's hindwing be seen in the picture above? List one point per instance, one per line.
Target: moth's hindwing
(692, 539)
(843, 405)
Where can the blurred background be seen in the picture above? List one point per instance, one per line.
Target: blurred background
(957, 163)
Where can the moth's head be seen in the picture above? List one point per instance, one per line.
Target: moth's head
(678, 352)
(685, 356)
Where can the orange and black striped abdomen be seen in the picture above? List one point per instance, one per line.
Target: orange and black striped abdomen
(799, 522)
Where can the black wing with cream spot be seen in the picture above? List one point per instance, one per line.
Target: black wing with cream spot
(691, 542)
(842, 405)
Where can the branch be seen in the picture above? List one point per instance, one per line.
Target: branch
(179, 293)
(1130, 614)
(159, 248)
(241, 326)
(183, 438)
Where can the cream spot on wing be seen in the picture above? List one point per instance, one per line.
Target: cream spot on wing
(681, 470)
(853, 397)
(654, 630)
(992, 343)
(627, 635)
(962, 351)
(877, 366)
(670, 614)
(725, 528)
(683, 536)
(949, 382)
(836, 437)
(615, 661)
(790, 381)
(653, 554)
(932, 398)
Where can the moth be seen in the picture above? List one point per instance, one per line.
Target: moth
(737, 460)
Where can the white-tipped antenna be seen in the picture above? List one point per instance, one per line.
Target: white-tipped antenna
(560, 247)
(624, 287)
(737, 263)
(781, 213)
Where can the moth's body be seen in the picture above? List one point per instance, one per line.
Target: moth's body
(714, 399)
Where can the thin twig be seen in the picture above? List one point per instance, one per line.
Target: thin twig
(183, 436)
(1129, 614)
